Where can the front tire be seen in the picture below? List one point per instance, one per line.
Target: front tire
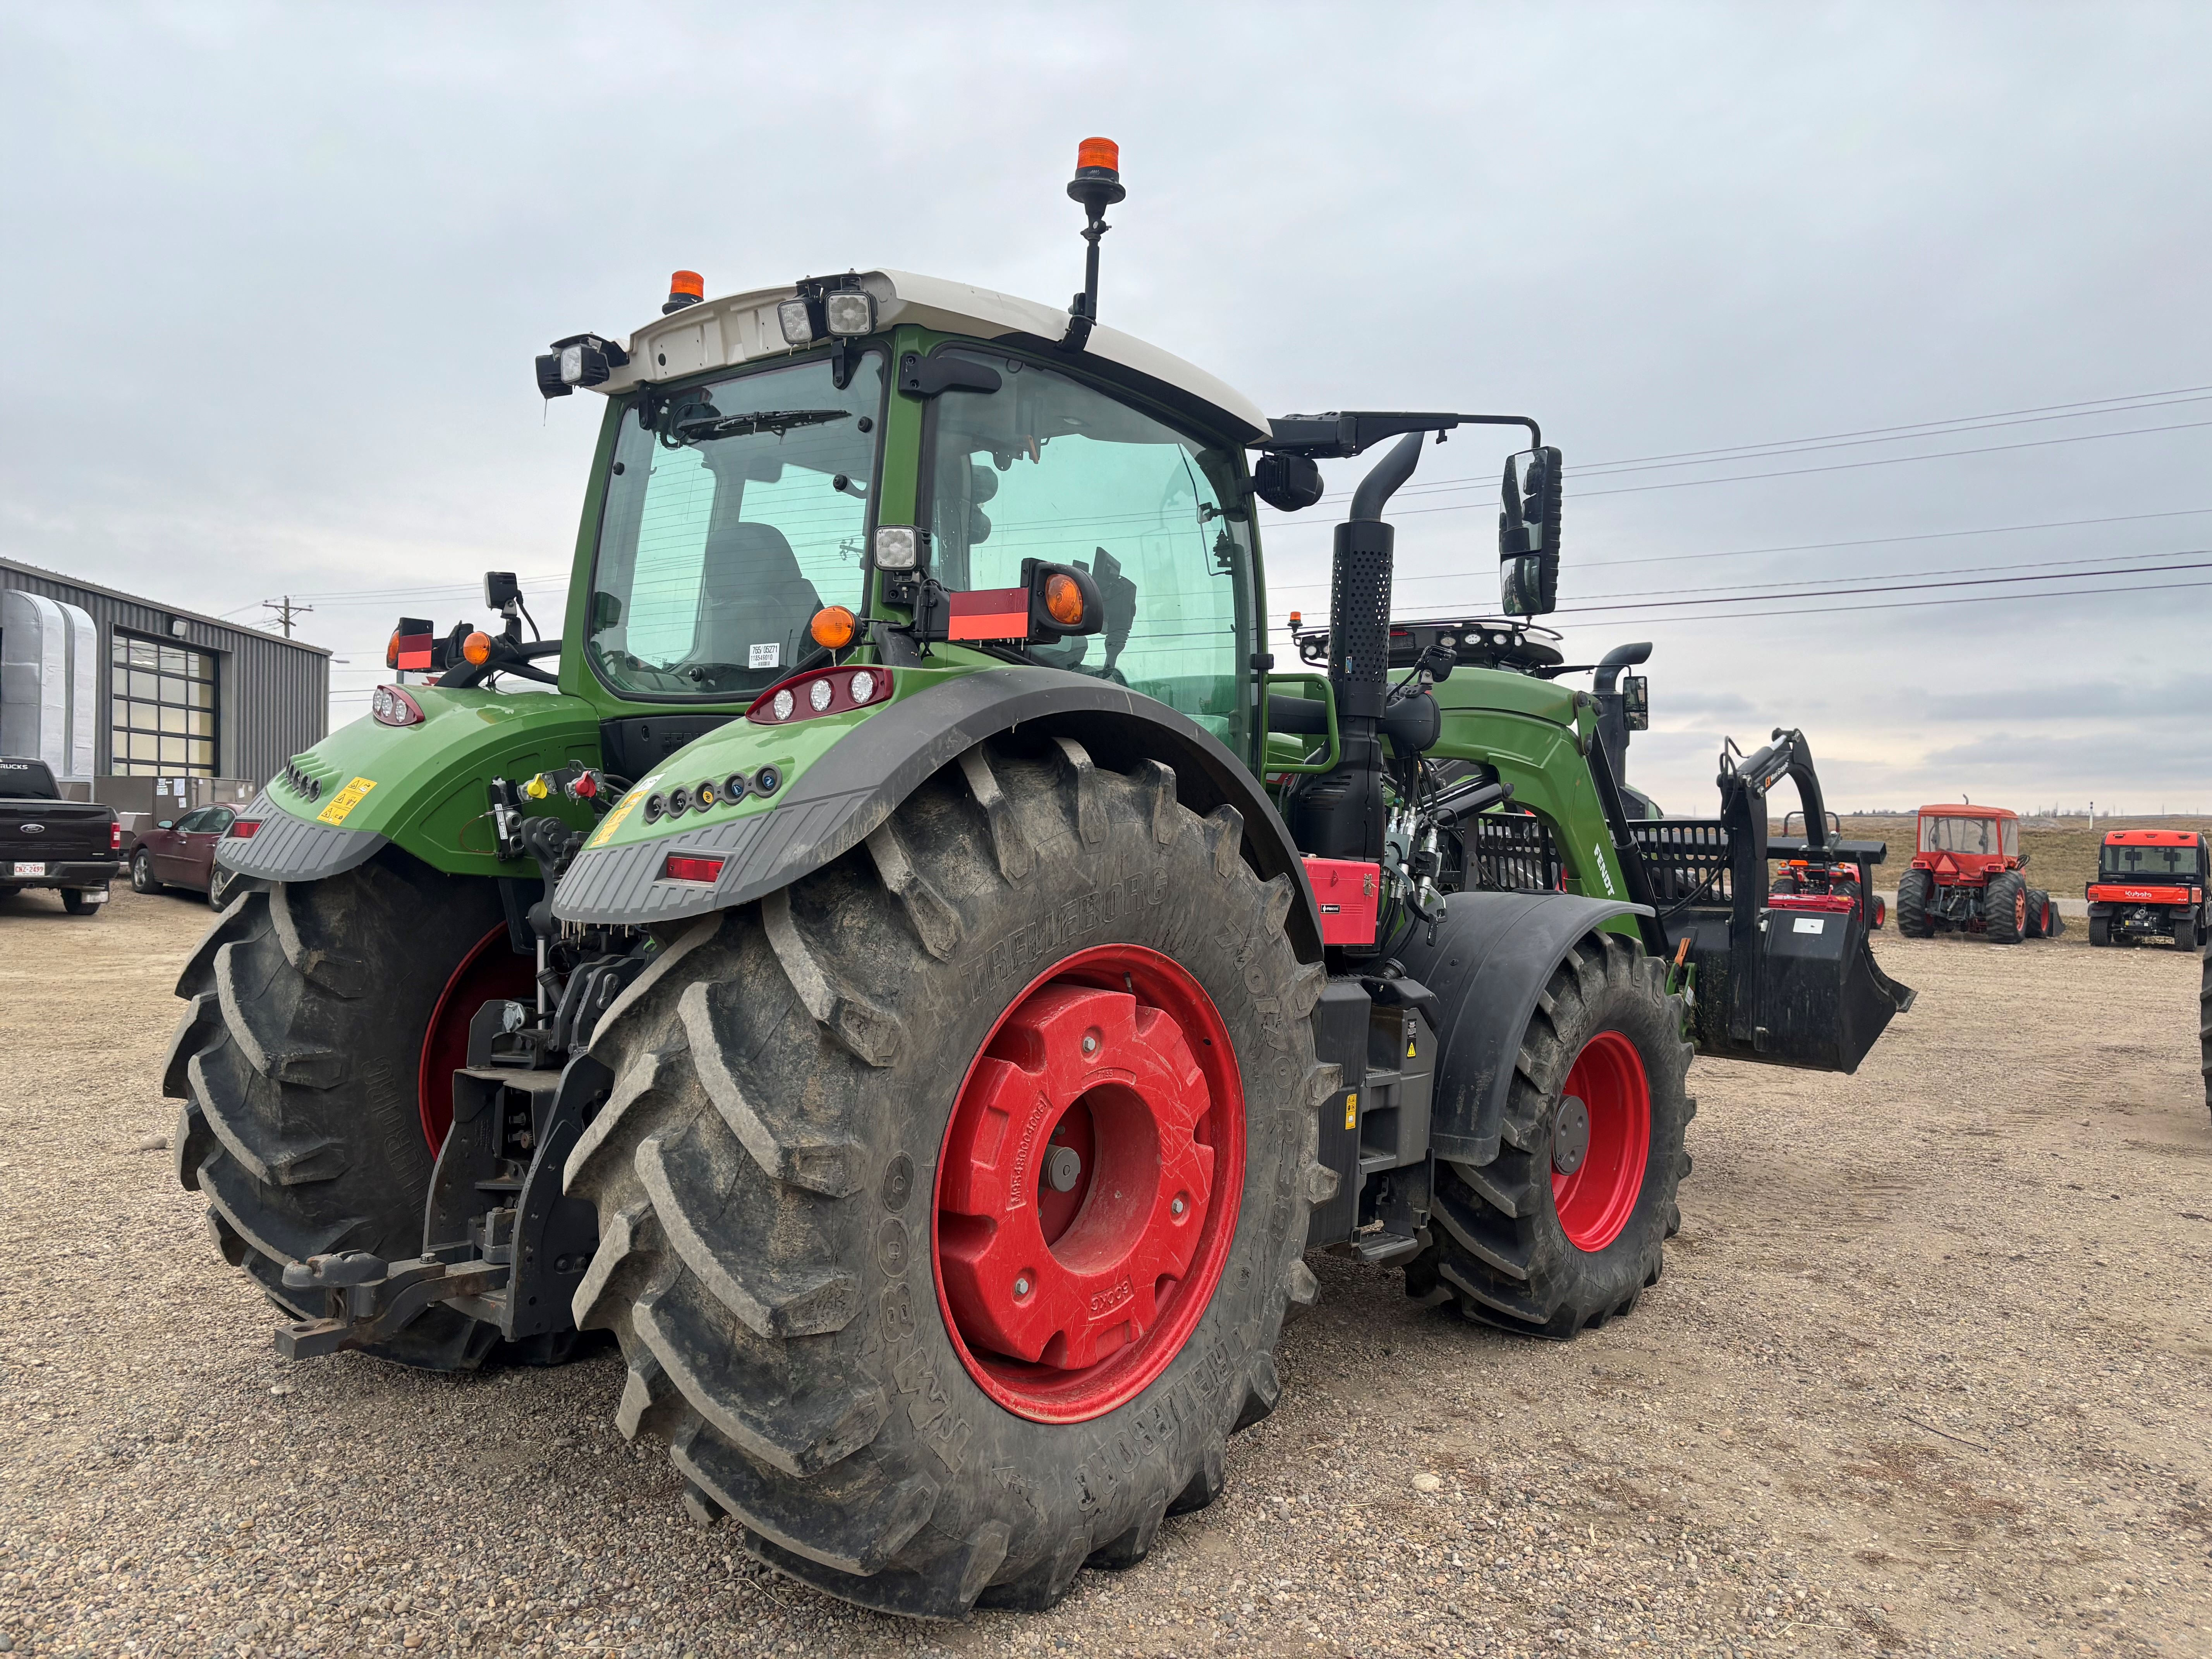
(299, 1062)
(801, 1199)
(141, 873)
(1566, 1226)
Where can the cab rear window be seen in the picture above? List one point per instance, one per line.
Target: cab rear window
(28, 779)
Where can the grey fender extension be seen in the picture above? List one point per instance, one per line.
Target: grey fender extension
(288, 849)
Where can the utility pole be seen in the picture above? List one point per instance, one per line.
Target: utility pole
(286, 610)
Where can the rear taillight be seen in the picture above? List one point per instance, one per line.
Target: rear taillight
(115, 836)
(680, 868)
(245, 829)
(392, 706)
(824, 691)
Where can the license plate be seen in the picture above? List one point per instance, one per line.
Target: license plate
(30, 869)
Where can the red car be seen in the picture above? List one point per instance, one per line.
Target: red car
(181, 852)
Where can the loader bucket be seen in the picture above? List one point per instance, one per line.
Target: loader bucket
(1809, 993)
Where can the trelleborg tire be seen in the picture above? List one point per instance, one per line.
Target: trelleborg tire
(1527, 1245)
(1912, 905)
(299, 1062)
(803, 1277)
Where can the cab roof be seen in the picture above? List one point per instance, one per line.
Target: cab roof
(1952, 809)
(742, 328)
(2154, 838)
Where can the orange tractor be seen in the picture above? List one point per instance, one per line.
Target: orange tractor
(1967, 875)
(2151, 884)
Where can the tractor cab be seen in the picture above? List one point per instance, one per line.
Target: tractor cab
(1967, 844)
(1967, 876)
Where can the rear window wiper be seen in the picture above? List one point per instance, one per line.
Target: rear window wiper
(697, 423)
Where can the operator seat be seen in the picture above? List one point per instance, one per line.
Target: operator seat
(751, 592)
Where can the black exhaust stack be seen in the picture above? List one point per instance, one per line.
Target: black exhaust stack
(1341, 814)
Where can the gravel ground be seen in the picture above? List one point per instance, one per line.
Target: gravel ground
(1927, 1375)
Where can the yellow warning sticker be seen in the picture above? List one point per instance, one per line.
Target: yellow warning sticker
(1351, 1108)
(613, 823)
(344, 801)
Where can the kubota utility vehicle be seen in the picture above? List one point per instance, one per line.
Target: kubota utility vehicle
(879, 983)
(1966, 878)
(2151, 884)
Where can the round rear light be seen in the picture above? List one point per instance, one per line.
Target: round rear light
(819, 693)
(863, 686)
(782, 706)
(1063, 600)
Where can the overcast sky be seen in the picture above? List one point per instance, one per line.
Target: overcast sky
(274, 276)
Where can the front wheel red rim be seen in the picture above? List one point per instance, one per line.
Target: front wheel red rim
(1088, 1186)
(1598, 1194)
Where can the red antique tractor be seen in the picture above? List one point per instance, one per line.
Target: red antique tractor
(1967, 875)
(2151, 884)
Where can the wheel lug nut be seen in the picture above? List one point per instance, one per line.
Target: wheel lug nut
(1090, 1042)
(1021, 1287)
(1177, 1207)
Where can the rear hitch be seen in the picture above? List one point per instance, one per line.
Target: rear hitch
(369, 1300)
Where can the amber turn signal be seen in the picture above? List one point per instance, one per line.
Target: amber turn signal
(834, 628)
(477, 649)
(1063, 600)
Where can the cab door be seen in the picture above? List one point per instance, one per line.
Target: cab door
(197, 856)
(167, 846)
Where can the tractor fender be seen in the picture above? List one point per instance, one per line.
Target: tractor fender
(1494, 954)
(841, 799)
(288, 849)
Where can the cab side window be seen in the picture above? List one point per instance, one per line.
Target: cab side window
(1047, 468)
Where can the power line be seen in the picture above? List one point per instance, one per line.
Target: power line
(1915, 604)
(1892, 588)
(286, 610)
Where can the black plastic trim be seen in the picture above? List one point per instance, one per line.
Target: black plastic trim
(288, 848)
(838, 802)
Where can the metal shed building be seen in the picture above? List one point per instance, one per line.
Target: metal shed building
(151, 689)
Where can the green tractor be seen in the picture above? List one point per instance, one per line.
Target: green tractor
(907, 963)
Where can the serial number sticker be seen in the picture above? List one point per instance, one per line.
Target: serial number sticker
(344, 801)
(622, 810)
(1812, 925)
(765, 656)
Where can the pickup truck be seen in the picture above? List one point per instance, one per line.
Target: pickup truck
(47, 841)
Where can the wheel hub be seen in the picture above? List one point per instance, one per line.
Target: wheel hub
(1089, 1184)
(1597, 1192)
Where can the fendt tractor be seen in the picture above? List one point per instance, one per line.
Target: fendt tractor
(907, 963)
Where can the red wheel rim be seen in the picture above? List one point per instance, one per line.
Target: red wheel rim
(1595, 1200)
(490, 972)
(1064, 1302)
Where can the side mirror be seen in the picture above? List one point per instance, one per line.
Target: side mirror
(1287, 483)
(1636, 700)
(166, 823)
(1528, 533)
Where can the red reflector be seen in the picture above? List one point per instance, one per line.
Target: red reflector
(679, 868)
(412, 651)
(1836, 903)
(245, 829)
(1349, 894)
(990, 613)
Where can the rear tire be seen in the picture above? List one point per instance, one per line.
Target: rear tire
(2038, 914)
(297, 1063)
(2204, 1023)
(222, 885)
(767, 1173)
(2004, 907)
(2101, 930)
(2184, 933)
(1519, 1243)
(1912, 890)
(80, 903)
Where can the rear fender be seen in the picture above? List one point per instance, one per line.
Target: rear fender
(838, 797)
(1492, 956)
